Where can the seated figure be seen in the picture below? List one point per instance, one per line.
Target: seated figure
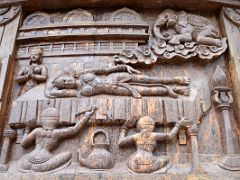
(143, 161)
(120, 80)
(46, 139)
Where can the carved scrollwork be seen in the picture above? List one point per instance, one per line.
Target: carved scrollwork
(187, 50)
(8, 13)
(232, 14)
(184, 35)
(78, 15)
(142, 55)
(37, 18)
(125, 15)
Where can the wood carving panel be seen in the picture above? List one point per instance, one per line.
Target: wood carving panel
(114, 90)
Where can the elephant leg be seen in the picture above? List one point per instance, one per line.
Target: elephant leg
(209, 41)
(205, 36)
(178, 38)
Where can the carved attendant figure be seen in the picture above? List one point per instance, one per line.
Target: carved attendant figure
(46, 139)
(34, 74)
(143, 161)
(120, 80)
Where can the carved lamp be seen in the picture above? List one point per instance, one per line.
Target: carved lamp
(9, 136)
(222, 98)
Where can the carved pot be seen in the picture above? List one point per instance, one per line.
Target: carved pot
(100, 158)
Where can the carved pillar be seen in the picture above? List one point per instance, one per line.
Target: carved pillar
(230, 23)
(9, 21)
(193, 133)
(222, 98)
(8, 137)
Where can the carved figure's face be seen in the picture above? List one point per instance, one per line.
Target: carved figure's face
(49, 122)
(146, 123)
(65, 82)
(35, 56)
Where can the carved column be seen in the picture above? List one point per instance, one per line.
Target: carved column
(9, 21)
(230, 23)
(193, 133)
(222, 98)
(8, 137)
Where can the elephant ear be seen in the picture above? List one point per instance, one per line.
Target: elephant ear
(183, 18)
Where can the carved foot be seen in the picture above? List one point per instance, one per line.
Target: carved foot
(217, 42)
(182, 80)
(3, 167)
(230, 162)
(182, 90)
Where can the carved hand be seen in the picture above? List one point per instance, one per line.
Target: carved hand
(130, 123)
(131, 70)
(184, 122)
(26, 73)
(91, 111)
(30, 124)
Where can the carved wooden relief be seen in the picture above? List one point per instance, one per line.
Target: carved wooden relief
(124, 91)
(184, 35)
(8, 13)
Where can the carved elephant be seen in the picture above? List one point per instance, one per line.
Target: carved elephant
(179, 27)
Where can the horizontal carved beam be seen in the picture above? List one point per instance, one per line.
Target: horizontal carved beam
(230, 3)
(184, 4)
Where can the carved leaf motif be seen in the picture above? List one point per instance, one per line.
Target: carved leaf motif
(219, 79)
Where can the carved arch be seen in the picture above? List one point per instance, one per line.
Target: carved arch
(78, 15)
(37, 18)
(125, 14)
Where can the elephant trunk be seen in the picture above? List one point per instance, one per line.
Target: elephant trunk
(159, 23)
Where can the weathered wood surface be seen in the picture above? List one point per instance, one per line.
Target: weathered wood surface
(107, 87)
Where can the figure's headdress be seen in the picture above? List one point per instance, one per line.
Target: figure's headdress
(145, 120)
(38, 50)
(50, 113)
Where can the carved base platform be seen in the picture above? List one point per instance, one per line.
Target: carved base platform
(3, 168)
(115, 176)
(209, 171)
(230, 162)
